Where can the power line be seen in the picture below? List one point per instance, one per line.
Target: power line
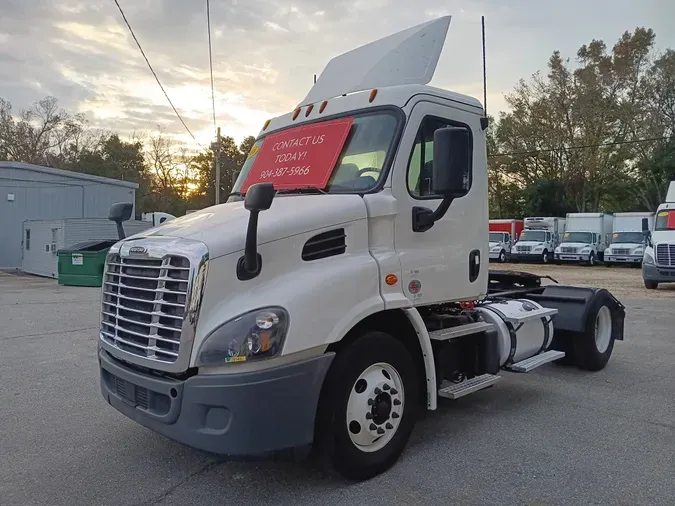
(570, 148)
(213, 95)
(154, 74)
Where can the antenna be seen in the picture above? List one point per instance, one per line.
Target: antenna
(482, 22)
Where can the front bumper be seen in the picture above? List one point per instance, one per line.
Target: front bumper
(571, 257)
(657, 274)
(626, 259)
(528, 257)
(241, 414)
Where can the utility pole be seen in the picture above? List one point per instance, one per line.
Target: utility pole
(215, 146)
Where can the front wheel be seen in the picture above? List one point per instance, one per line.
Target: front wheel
(368, 406)
(651, 285)
(502, 256)
(545, 257)
(591, 259)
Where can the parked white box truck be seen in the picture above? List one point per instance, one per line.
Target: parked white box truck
(503, 235)
(538, 241)
(586, 238)
(658, 264)
(627, 245)
(362, 295)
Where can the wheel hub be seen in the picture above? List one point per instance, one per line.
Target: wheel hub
(375, 407)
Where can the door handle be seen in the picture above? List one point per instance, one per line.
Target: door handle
(474, 265)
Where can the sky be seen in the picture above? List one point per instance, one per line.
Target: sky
(266, 52)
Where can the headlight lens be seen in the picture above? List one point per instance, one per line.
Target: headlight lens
(257, 335)
(497, 249)
(585, 250)
(638, 251)
(648, 259)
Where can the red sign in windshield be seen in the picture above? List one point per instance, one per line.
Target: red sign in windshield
(670, 225)
(300, 157)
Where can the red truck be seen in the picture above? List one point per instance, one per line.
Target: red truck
(503, 235)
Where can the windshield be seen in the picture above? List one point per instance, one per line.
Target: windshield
(496, 237)
(628, 237)
(585, 237)
(361, 162)
(533, 235)
(665, 220)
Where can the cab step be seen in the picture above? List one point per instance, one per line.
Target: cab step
(457, 390)
(459, 331)
(538, 360)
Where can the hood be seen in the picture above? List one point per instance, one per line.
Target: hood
(663, 236)
(531, 243)
(223, 227)
(580, 245)
(626, 245)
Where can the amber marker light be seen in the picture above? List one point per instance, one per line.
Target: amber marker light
(391, 279)
(373, 94)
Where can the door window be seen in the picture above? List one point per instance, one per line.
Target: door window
(420, 173)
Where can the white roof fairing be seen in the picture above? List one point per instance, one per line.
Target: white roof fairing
(406, 57)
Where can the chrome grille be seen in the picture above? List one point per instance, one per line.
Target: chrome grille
(620, 251)
(524, 249)
(144, 305)
(665, 255)
(568, 249)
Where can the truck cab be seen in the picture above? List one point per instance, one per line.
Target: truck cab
(343, 287)
(538, 241)
(658, 264)
(500, 246)
(628, 241)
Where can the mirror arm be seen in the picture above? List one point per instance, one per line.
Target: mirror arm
(250, 264)
(424, 218)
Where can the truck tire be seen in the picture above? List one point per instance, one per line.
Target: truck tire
(651, 285)
(368, 406)
(591, 259)
(502, 257)
(545, 257)
(593, 349)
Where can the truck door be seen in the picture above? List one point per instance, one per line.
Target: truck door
(449, 261)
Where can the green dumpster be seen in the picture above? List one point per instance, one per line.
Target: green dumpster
(82, 264)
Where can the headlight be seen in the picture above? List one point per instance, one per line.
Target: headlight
(257, 335)
(638, 252)
(648, 259)
(538, 248)
(496, 250)
(557, 250)
(585, 250)
(608, 251)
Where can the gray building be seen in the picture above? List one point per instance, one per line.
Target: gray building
(32, 192)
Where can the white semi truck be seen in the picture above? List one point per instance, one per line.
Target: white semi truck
(344, 287)
(658, 264)
(539, 240)
(586, 238)
(627, 245)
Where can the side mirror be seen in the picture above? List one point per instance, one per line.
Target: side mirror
(258, 198)
(646, 232)
(120, 212)
(452, 162)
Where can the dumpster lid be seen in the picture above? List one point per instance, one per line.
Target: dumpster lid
(97, 245)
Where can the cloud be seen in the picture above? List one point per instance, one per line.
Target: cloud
(265, 52)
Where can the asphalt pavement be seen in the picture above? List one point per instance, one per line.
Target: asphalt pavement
(556, 436)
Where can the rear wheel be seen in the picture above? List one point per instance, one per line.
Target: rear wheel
(593, 349)
(368, 406)
(651, 285)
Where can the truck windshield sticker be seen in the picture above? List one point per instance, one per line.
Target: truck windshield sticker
(299, 157)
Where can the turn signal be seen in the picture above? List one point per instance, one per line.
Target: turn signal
(296, 113)
(323, 106)
(373, 94)
(391, 279)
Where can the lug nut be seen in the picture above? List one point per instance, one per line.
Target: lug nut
(386, 386)
(369, 416)
(380, 430)
(372, 426)
(389, 426)
(397, 402)
(394, 391)
(371, 402)
(377, 391)
(395, 415)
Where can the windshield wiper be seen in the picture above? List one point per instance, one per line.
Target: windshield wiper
(304, 189)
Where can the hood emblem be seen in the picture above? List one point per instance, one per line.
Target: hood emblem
(138, 250)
